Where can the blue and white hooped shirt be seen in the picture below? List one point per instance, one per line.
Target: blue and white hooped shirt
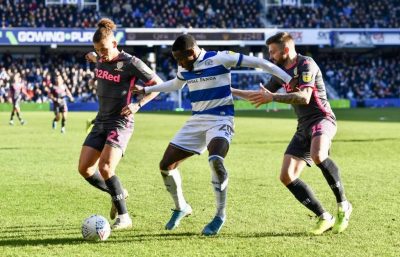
(209, 82)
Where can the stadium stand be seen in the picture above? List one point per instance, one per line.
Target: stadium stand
(337, 14)
(135, 13)
(352, 75)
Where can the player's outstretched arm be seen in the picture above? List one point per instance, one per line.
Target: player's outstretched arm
(267, 66)
(303, 96)
(245, 94)
(134, 107)
(71, 98)
(168, 86)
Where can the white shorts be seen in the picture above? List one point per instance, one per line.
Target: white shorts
(199, 130)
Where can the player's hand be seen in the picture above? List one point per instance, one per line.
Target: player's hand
(245, 94)
(72, 100)
(262, 96)
(130, 109)
(294, 82)
(138, 90)
(91, 57)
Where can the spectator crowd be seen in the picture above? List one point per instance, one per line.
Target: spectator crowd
(337, 14)
(203, 14)
(352, 77)
(134, 13)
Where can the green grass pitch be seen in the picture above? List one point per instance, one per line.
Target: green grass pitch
(44, 200)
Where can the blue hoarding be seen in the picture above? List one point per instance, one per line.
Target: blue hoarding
(27, 36)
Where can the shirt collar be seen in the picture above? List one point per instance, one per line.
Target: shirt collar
(201, 56)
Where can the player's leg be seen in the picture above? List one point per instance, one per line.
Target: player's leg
(11, 122)
(290, 176)
(323, 133)
(114, 148)
(218, 149)
(63, 120)
(297, 156)
(173, 183)
(13, 111)
(109, 159)
(18, 112)
(56, 117)
(88, 162)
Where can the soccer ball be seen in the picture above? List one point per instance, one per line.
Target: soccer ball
(96, 227)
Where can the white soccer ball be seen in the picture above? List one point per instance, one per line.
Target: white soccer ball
(96, 227)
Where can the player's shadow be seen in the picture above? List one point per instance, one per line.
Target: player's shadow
(18, 242)
(351, 140)
(125, 237)
(367, 140)
(271, 234)
(159, 236)
(9, 148)
(37, 229)
(14, 235)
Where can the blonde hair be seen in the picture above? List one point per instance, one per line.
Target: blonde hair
(105, 28)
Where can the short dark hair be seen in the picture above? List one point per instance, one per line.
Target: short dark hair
(184, 42)
(280, 38)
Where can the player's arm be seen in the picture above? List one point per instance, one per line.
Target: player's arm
(265, 96)
(71, 98)
(273, 85)
(306, 84)
(241, 93)
(168, 86)
(51, 96)
(267, 66)
(144, 73)
(135, 107)
(303, 96)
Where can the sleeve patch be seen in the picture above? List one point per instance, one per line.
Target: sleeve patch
(306, 76)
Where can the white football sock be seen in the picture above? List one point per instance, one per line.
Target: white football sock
(220, 195)
(326, 216)
(173, 183)
(345, 205)
(124, 217)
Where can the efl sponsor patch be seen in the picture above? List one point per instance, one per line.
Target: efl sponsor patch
(306, 76)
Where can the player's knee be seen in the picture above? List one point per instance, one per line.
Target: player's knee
(105, 169)
(287, 177)
(84, 170)
(220, 174)
(165, 165)
(319, 157)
